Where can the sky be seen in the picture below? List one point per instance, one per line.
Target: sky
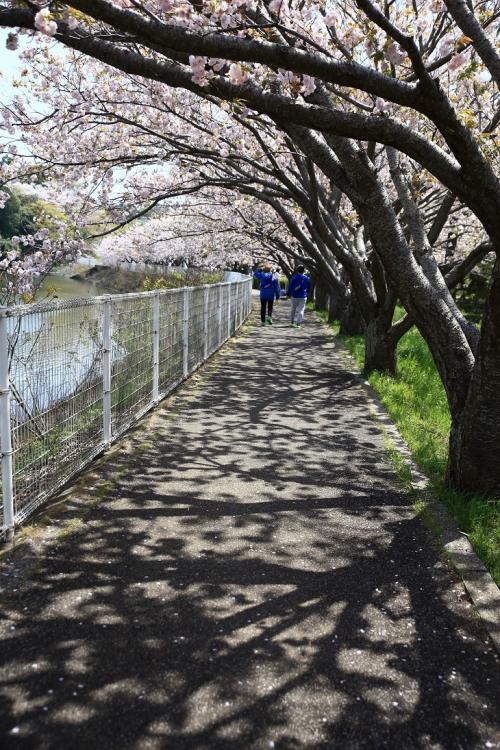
(10, 66)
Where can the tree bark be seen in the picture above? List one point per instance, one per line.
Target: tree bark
(312, 287)
(320, 296)
(380, 351)
(336, 305)
(351, 322)
(380, 343)
(474, 455)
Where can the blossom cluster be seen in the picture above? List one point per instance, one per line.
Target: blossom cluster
(338, 28)
(29, 258)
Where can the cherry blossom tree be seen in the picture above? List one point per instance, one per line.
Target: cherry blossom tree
(127, 116)
(209, 231)
(411, 77)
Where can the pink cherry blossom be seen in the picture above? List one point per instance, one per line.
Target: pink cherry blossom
(237, 74)
(275, 6)
(437, 6)
(44, 23)
(395, 54)
(381, 105)
(308, 85)
(199, 74)
(457, 61)
(446, 46)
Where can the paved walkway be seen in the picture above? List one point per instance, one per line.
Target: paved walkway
(256, 579)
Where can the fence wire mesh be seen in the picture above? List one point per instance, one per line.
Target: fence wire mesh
(171, 345)
(58, 354)
(131, 359)
(214, 335)
(196, 336)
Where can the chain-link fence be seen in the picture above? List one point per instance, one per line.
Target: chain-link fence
(74, 375)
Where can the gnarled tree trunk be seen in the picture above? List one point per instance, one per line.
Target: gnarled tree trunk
(380, 352)
(474, 456)
(351, 322)
(337, 303)
(380, 344)
(320, 296)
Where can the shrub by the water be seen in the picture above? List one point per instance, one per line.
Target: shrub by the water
(178, 279)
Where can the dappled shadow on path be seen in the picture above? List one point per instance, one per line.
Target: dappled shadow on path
(257, 580)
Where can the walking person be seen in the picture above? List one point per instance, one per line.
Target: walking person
(269, 291)
(298, 289)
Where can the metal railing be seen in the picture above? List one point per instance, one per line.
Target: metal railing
(75, 374)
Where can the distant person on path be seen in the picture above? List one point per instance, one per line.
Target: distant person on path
(298, 289)
(269, 291)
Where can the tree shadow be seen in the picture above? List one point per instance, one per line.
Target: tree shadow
(257, 579)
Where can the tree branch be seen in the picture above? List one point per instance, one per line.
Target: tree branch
(464, 18)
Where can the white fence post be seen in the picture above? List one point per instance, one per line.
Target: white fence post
(219, 314)
(5, 431)
(156, 346)
(185, 333)
(229, 287)
(106, 371)
(205, 322)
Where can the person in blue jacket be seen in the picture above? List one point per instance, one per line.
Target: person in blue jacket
(298, 289)
(269, 291)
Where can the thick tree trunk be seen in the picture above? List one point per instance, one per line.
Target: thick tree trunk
(380, 341)
(337, 303)
(472, 383)
(351, 322)
(474, 457)
(320, 296)
(380, 349)
(312, 287)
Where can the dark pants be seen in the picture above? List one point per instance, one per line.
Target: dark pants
(263, 303)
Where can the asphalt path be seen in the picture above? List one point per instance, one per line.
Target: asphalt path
(255, 578)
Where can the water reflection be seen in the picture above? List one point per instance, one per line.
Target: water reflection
(53, 352)
(63, 287)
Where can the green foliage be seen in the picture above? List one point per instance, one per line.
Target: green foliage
(18, 214)
(469, 71)
(10, 216)
(416, 401)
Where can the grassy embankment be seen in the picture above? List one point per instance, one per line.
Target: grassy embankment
(416, 401)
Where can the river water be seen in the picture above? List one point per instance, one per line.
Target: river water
(63, 287)
(55, 351)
